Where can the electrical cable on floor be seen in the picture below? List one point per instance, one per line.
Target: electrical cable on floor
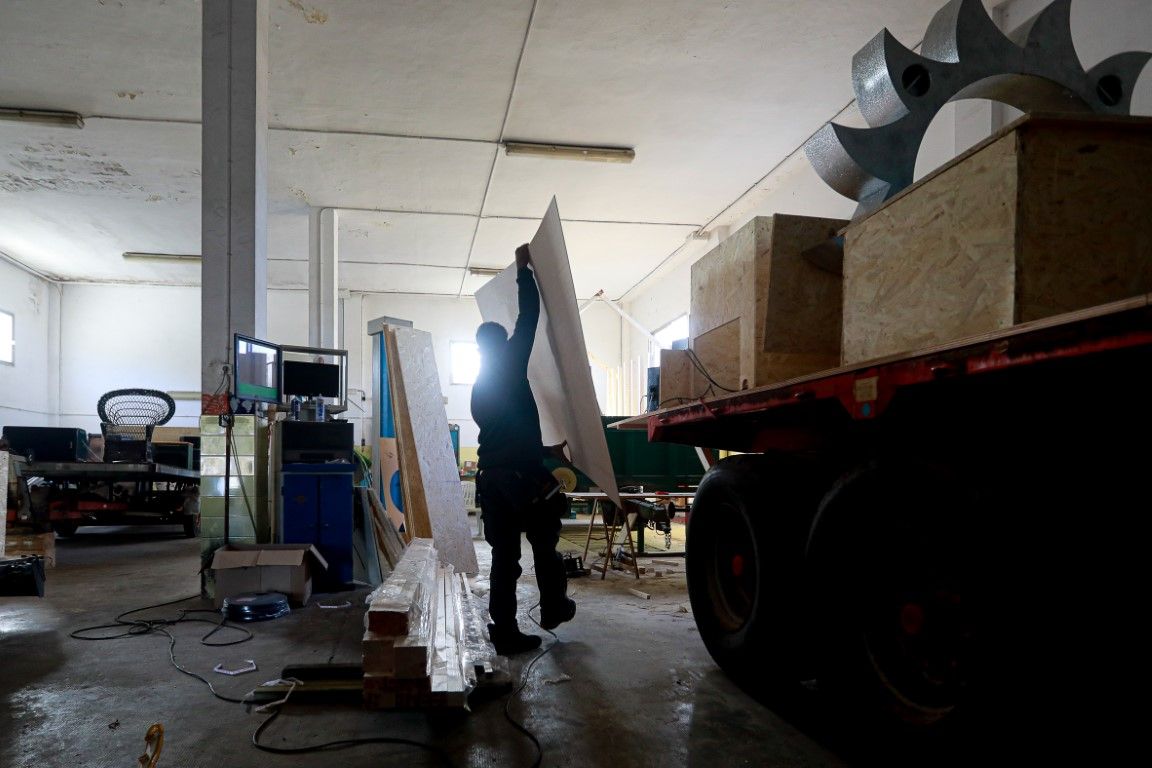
(523, 684)
(140, 627)
(342, 743)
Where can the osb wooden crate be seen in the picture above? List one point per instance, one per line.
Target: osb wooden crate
(761, 312)
(1047, 216)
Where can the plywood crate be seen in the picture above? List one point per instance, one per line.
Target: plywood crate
(761, 312)
(1048, 216)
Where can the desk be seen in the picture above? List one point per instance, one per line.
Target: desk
(618, 522)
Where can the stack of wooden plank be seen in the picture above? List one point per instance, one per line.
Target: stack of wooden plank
(421, 646)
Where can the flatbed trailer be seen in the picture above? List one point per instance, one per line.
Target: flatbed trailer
(956, 530)
(80, 493)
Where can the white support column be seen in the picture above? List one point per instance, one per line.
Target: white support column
(324, 278)
(234, 284)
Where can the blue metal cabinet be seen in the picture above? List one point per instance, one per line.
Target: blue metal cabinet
(316, 508)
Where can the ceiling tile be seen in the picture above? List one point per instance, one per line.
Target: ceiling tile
(608, 257)
(377, 172)
(405, 238)
(395, 278)
(411, 67)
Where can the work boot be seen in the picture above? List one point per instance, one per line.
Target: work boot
(513, 642)
(550, 618)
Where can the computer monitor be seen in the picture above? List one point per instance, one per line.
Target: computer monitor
(256, 370)
(308, 379)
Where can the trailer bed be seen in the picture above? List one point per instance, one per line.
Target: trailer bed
(798, 413)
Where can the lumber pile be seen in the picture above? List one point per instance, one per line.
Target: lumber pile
(423, 644)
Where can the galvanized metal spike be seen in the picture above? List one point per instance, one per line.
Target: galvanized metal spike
(886, 76)
(1113, 81)
(959, 29)
(964, 55)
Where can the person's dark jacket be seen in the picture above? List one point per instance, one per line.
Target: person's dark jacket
(502, 401)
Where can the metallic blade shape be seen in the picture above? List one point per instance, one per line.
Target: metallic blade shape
(879, 74)
(1122, 71)
(964, 55)
(960, 29)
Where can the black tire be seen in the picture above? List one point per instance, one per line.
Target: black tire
(746, 539)
(891, 561)
(65, 528)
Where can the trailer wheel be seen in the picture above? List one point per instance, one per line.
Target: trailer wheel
(746, 538)
(65, 528)
(890, 558)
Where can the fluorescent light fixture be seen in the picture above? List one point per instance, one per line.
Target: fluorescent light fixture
(46, 116)
(140, 256)
(484, 271)
(570, 152)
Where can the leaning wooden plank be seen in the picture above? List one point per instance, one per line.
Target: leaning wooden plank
(390, 538)
(393, 543)
(436, 477)
(398, 605)
(367, 541)
(415, 506)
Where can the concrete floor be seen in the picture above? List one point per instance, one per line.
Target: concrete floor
(628, 684)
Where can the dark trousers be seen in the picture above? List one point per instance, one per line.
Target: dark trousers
(511, 501)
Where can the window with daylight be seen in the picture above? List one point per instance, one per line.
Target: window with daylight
(7, 337)
(465, 362)
(674, 331)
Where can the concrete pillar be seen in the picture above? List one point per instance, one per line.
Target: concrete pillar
(323, 278)
(234, 287)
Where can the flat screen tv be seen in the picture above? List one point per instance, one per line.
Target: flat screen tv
(256, 370)
(309, 379)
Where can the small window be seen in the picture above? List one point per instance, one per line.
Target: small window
(465, 359)
(674, 331)
(7, 337)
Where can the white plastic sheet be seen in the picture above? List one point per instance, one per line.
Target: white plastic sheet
(558, 370)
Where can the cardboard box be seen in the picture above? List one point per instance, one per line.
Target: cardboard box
(42, 544)
(285, 568)
(1046, 217)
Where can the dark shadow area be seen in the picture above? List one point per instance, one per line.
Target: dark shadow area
(26, 657)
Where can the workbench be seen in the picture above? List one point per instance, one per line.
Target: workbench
(597, 498)
(146, 472)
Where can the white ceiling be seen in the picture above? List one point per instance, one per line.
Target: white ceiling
(393, 112)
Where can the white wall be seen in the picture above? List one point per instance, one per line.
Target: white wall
(125, 336)
(29, 388)
(448, 319)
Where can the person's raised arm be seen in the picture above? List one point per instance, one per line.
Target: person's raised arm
(520, 344)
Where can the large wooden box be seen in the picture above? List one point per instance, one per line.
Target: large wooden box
(1048, 216)
(761, 312)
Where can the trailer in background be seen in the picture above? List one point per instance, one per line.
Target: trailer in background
(961, 529)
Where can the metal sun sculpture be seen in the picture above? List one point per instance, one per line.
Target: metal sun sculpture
(964, 55)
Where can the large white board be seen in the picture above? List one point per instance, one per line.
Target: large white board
(558, 369)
